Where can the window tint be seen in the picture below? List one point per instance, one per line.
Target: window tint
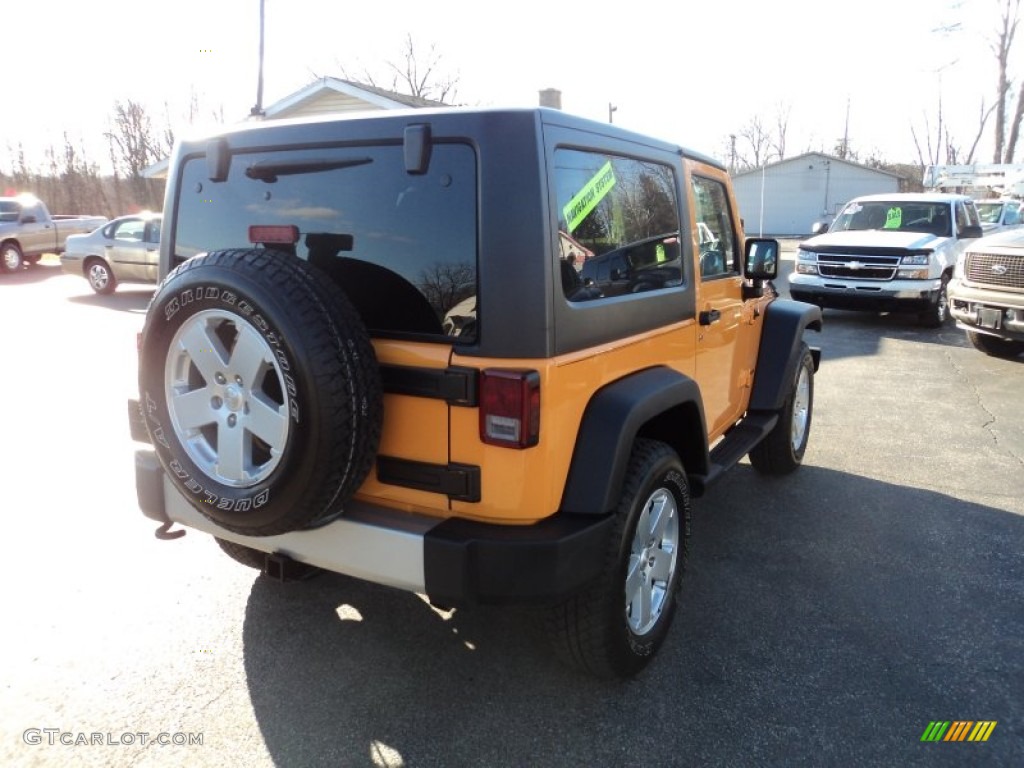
(718, 255)
(403, 246)
(618, 225)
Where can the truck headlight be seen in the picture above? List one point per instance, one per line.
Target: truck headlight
(913, 274)
(806, 262)
(916, 258)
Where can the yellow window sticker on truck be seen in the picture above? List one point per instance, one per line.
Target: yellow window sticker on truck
(586, 200)
(893, 218)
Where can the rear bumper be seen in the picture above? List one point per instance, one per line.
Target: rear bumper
(891, 296)
(454, 562)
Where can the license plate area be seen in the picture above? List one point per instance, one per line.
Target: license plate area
(990, 318)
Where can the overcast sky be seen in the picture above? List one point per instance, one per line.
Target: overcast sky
(688, 73)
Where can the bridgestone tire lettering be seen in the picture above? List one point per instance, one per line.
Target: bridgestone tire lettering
(262, 390)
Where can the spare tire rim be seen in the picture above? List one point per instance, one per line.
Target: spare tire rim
(801, 408)
(653, 556)
(225, 397)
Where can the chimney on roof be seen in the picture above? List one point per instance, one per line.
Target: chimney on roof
(551, 97)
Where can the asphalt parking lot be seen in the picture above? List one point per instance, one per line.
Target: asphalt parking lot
(826, 619)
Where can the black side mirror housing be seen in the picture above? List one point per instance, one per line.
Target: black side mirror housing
(971, 230)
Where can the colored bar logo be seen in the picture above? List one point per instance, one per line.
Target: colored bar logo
(958, 730)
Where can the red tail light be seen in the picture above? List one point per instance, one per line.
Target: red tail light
(509, 407)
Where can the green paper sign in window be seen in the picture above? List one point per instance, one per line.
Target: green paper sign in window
(586, 200)
(893, 218)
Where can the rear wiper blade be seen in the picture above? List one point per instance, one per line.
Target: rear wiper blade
(269, 171)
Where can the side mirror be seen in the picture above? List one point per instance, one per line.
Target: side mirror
(28, 219)
(761, 259)
(971, 230)
(818, 227)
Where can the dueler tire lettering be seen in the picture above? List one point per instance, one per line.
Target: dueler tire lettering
(262, 391)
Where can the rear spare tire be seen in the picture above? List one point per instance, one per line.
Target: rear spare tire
(261, 390)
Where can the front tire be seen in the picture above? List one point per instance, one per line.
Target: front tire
(938, 313)
(11, 259)
(615, 626)
(782, 450)
(101, 278)
(994, 346)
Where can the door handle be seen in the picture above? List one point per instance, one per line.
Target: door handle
(710, 316)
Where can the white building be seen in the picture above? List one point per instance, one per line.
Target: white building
(787, 197)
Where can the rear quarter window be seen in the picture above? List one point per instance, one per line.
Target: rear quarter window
(618, 225)
(403, 246)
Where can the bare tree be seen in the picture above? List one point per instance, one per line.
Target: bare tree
(1001, 47)
(778, 141)
(418, 74)
(135, 145)
(758, 144)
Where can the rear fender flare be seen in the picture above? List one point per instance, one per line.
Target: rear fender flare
(659, 403)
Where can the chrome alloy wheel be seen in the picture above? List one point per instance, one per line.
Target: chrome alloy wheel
(801, 409)
(226, 398)
(99, 276)
(10, 258)
(653, 557)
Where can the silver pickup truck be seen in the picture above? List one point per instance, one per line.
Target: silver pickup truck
(28, 230)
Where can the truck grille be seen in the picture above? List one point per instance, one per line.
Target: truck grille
(995, 269)
(858, 267)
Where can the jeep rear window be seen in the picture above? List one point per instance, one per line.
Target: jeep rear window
(618, 225)
(403, 246)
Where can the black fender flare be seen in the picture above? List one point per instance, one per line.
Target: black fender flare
(779, 355)
(659, 403)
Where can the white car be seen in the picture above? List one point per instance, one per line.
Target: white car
(126, 250)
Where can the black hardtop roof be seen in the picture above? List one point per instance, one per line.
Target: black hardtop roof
(445, 120)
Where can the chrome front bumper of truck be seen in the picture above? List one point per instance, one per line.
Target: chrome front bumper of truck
(892, 295)
(999, 313)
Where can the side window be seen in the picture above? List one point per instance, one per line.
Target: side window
(618, 225)
(1012, 213)
(153, 231)
(718, 255)
(130, 230)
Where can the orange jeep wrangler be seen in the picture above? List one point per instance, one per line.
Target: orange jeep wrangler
(380, 348)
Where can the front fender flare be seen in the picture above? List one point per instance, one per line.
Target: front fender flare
(784, 324)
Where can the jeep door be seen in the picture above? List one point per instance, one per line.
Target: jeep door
(729, 325)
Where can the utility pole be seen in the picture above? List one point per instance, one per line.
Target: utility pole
(611, 110)
(257, 110)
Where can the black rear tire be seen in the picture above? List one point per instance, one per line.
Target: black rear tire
(247, 556)
(782, 450)
(261, 390)
(994, 346)
(615, 626)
